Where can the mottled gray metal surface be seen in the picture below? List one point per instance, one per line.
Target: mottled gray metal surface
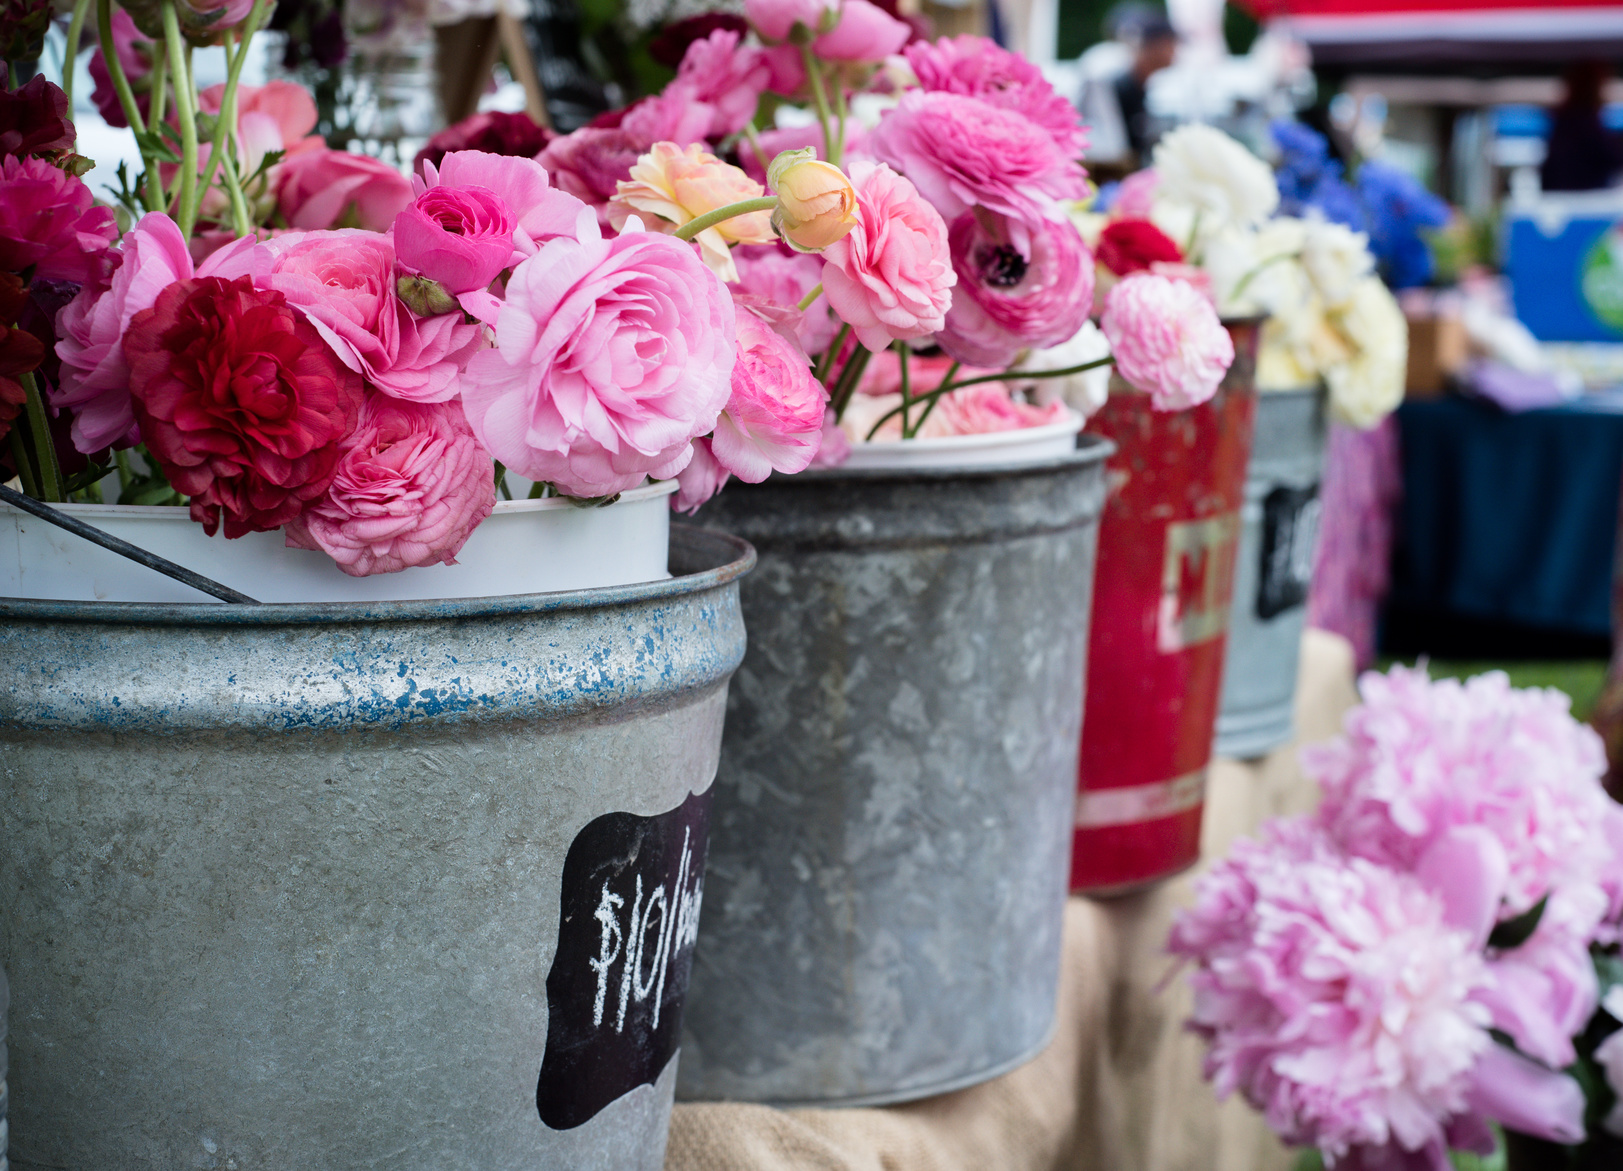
(1259, 671)
(280, 885)
(891, 834)
(5, 1003)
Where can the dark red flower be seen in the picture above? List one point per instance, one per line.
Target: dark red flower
(22, 28)
(34, 119)
(492, 132)
(239, 400)
(1133, 245)
(20, 351)
(671, 45)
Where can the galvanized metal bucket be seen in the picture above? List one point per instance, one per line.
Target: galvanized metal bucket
(888, 850)
(1279, 530)
(406, 885)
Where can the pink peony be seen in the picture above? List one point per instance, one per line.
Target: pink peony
(963, 152)
(611, 357)
(344, 282)
(699, 481)
(95, 378)
(728, 78)
(774, 416)
(781, 276)
(891, 277)
(774, 19)
(1332, 995)
(49, 222)
(865, 32)
(412, 484)
(1011, 299)
(980, 68)
(324, 188)
(461, 237)
(1167, 340)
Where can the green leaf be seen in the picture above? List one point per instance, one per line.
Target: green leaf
(1512, 933)
(207, 125)
(153, 147)
(91, 475)
(592, 501)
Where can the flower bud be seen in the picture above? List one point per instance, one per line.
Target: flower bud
(424, 297)
(816, 202)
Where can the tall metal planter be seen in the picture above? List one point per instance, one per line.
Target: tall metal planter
(888, 851)
(1279, 530)
(402, 886)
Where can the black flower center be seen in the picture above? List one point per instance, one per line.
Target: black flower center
(1001, 266)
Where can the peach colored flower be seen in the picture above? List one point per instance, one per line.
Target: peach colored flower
(671, 185)
(816, 202)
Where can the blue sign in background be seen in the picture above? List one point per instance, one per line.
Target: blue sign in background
(1567, 287)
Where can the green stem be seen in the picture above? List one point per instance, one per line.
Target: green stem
(849, 377)
(948, 386)
(121, 85)
(160, 91)
(50, 476)
(226, 124)
(924, 416)
(121, 460)
(806, 301)
(1246, 280)
(902, 353)
(70, 55)
(835, 155)
(814, 75)
(755, 142)
(185, 111)
(826, 364)
(19, 456)
(711, 218)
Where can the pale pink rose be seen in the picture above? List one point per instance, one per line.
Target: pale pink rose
(1167, 340)
(891, 277)
(774, 19)
(412, 484)
(612, 356)
(95, 379)
(779, 275)
(699, 481)
(980, 68)
(1190, 274)
(344, 283)
(1136, 198)
(671, 185)
(461, 237)
(1011, 298)
(726, 77)
(962, 153)
(865, 32)
(774, 416)
(324, 188)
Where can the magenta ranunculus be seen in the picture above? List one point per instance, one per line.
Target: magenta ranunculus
(728, 78)
(344, 282)
(611, 356)
(865, 32)
(962, 152)
(461, 237)
(779, 275)
(891, 277)
(980, 68)
(324, 188)
(699, 481)
(49, 222)
(411, 484)
(1167, 340)
(1010, 298)
(774, 415)
(774, 19)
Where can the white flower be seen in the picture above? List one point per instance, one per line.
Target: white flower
(1369, 385)
(1085, 392)
(1219, 180)
(1336, 259)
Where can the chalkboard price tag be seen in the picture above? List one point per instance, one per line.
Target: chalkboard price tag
(1290, 531)
(628, 918)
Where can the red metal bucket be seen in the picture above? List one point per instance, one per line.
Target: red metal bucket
(1160, 613)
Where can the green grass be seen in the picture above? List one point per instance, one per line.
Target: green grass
(1580, 678)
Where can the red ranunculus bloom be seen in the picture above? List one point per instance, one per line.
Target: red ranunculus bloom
(239, 400)
(493, 132)
(1133, 245)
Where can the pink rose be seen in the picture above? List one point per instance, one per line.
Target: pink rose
(459, 236)
(963, 153)
(1167, 340)
(980, 68)
(95, 378)
(781, 276)
(774, 416)
(1011, 299)
(726, 77)
(332, 188)
(774, 19)
(412, 484)
(344, 283)
(611, 357)
(49, 222)
(891, 276)
(865, 32)
(699, 481)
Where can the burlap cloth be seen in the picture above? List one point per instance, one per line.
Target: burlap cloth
(1119, 1088)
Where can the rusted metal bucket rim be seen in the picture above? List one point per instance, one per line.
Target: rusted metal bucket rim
(1090, 449)
(704, 558)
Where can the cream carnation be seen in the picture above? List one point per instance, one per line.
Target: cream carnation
(1369, 385)
(1336, 259)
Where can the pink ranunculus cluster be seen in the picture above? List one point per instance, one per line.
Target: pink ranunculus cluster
(1167, 339)
(1349, 976)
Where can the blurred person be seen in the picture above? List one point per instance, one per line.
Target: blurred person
(1582, 154)
(1155, 45)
